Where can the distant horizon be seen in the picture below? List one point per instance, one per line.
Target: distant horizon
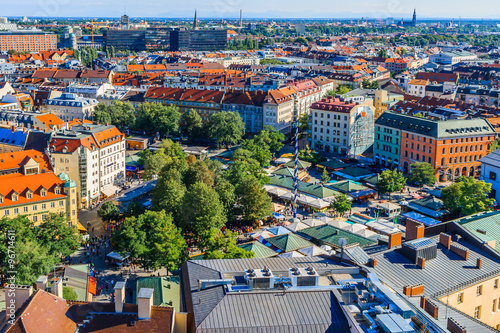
(396, 19)
(257, 9)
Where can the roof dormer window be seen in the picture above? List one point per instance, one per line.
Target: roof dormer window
(43, 192)
(57, 190)
(14, 196)
(29, 194)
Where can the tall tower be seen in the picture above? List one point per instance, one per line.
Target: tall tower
(414, 16)
(241, 18)
(195, 23)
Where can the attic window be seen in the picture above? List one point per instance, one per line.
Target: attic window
(29, 194)
(43, 192)
(57, 190)
(1, 199)
(14, 196)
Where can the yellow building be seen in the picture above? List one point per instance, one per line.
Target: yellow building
(28, 186)
(480, 301)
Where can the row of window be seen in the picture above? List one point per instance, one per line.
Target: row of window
(328, 124)
(338, 117)
(334, 140)
(34, 208)
(460, 159)
(472, 148)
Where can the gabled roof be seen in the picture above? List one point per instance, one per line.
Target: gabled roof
(44, 313)
(259, 249)
(288, 242)
(331, 235)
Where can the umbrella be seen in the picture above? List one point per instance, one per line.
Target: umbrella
(313, 222)
(296, 226)
(339, 224)
(277, 207)
(312, 251)
(326, 247)
(366, 233)
(355, 228)
(292, 254)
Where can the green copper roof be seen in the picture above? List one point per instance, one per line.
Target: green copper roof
(286, 171)
(259, 249)
(319, 191)
(488, 222)
(300, 164)
(331, 235)
(347, 186)
(289, 242)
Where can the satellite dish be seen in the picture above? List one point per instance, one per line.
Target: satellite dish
(342, 242)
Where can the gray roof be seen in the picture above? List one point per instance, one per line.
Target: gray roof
(216, 311)
(443, 275)
(276, 312)
(437, 129)
(492, 158)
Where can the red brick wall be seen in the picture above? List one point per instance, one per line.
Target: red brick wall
(463, 253)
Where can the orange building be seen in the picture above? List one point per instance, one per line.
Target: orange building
(452, 147)
(27, 41)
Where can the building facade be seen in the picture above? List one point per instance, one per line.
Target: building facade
(31, 41)
(342, 127)
(198, 40)
(71, 106)
(29, 186)
(452, 147)
(94, 156)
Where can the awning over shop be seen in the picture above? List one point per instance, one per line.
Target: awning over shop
(80, 227)
(111, 190)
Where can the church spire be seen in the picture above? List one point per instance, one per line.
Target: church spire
(414, 16)
(195, 23)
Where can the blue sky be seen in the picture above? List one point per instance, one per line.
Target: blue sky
(254, 8)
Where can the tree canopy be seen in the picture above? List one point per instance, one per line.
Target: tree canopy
(109, 212)
(422, 173)
(37, 248)
(120, 114)
(156, 117)
(341, 204)
(153, 239)
(226, 128)
(391, 181)
(467, 196)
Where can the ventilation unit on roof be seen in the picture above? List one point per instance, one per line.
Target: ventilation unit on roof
(259, 278)
(303, 277)
(421, 247)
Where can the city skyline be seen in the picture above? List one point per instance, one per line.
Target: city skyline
(318, 9)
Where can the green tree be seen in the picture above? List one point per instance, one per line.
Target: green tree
(325, 178)
(153, 239)
(330, 93)
(244, 164)
(252, 199)
(391, 181)
(153, 164)
(36, 250)
(201, 211)
(193, 127)
(226, 128)
(304, 120)
(69, 294)
(494, 145)
(60, 238)
(422, 173)
(226, 192)
(301, 40)
(134, 209)
(101, 114)
(382, 54)
(467, 196)
(198, 172)
(343, 89)
(223, 246)
(341, 204)
(168, 192)
(109, 212)
(156, 117)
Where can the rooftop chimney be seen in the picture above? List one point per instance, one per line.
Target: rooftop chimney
(15, 296)
(445, 240)
(119, 296)
(479, 263)
(414, 230)
(13, 128)
(395, 239)
(41, 283)
(144, 302)
(57, 287)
